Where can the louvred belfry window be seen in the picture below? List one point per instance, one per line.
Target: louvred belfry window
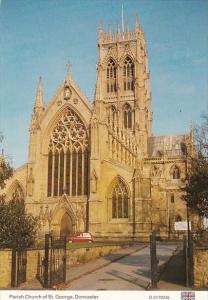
(111, 76)
(68, 157)
(128, 74)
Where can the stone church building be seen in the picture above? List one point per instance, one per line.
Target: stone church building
(96, 166)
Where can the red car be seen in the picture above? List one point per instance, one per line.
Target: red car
(84, 237)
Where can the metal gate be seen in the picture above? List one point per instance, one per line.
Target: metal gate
(154, 261)
(19, 265)
(52, 264)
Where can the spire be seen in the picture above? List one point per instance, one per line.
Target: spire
(68, 73)
(39, 96)
(122, 18)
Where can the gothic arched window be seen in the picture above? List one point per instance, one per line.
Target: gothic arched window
(68, 157)
(120, 200)
(176, 172)
(127, 115)
(111, 76)
(128, 74)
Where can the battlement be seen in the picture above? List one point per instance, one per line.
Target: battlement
(120, 35)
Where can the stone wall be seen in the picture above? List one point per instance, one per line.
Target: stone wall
(201, 267)
(32, 262)
(5, 267)
(78, 256)
(74, 256)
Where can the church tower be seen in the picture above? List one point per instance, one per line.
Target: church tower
(120, 127)
(123, 82)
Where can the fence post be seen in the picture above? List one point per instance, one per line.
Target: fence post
(185, 247)
(153, 258)
(188, 245)
(191, 275)
(14, 265)
(64, 260)
(46, 260)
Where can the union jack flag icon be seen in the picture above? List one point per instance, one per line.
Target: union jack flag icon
(187, 295)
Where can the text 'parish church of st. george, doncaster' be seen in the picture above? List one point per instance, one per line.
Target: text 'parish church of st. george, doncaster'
(97, 166)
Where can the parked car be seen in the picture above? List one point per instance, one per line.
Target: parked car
(84, 237)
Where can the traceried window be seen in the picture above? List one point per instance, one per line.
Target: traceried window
(68, 157)
(120, 200)
(111, 76)
(128, 74)
(176, 172)
(127, 115)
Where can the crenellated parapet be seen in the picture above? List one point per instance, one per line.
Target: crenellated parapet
(120, 35)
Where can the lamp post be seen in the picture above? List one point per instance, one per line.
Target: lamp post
(189, 260)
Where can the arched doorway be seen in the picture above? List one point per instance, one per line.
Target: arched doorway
(66, 227)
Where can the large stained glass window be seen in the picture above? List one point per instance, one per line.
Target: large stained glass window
(68, 157)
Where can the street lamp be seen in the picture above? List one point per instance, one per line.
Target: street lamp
(189, 260)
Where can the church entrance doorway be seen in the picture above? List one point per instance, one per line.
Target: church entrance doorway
(66, 227)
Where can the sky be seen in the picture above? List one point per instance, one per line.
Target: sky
(38, 38)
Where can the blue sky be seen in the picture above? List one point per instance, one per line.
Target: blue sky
(39, 37)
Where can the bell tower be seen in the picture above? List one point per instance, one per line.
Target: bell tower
(123, 79)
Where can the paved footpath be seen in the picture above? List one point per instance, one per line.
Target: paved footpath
(131, 272)
(125, 269)
(77, 271)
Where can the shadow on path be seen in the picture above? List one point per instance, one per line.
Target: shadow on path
(174, 276)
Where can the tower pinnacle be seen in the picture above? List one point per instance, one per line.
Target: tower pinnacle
(98, 89)
(68, 73)
(100, 31)
(39, 96)
(137, 27)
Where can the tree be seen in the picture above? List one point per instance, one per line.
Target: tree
(6, 170)
(16, 225)
(197, 187)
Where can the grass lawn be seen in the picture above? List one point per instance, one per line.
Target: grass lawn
(41, 244)
(97, 244)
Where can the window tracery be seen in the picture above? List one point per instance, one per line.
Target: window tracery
(68, 155)
(128, 74)
(120, 200)
(111, 76)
